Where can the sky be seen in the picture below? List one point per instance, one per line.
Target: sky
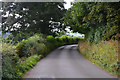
(68, 5)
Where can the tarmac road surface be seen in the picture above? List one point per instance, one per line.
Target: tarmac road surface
(66, 62)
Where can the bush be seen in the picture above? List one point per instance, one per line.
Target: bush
(16, 38)
(64, 38)
(8, 65)
(9, 60)
(59, 39)
(27, 65)
(51, 43)
(12, 66)
(51, 39)
(31, 46)
(70, 40)
(42, 49)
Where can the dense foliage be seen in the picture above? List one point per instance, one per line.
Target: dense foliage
(35, 17)
(31, 46)
(97, 20)
(9, 60)
(40, 45)
(100, 23)
(13, 69)
(21, 56)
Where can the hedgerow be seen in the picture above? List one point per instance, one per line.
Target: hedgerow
(20, 57)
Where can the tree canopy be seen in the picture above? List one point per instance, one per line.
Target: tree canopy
(97, 20)
(35, 17)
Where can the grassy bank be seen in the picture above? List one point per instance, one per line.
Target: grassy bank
(104, 54)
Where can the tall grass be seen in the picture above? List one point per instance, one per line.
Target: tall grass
(104, 54)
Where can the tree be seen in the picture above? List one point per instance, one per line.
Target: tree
(98, 21)
(32, 17)
(75, 15)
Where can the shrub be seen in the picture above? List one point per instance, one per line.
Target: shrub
(27, 65)
(51, 39)
(70, 40)
(9, 60)
(64, 38)
(12, 67)
(42, 49)
(8, 65)
(16, 38)
(59, 39)
(52, 43)
(31, 46)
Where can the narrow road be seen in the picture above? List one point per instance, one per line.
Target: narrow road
(66, 62)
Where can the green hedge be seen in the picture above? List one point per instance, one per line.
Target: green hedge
(68, 40)
(9, 60)
(9, 65)
(31, 46)
(15, 70)
(39, 45)
(26, 65)
(17, 59)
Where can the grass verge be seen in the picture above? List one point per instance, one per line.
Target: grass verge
(104, 54)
